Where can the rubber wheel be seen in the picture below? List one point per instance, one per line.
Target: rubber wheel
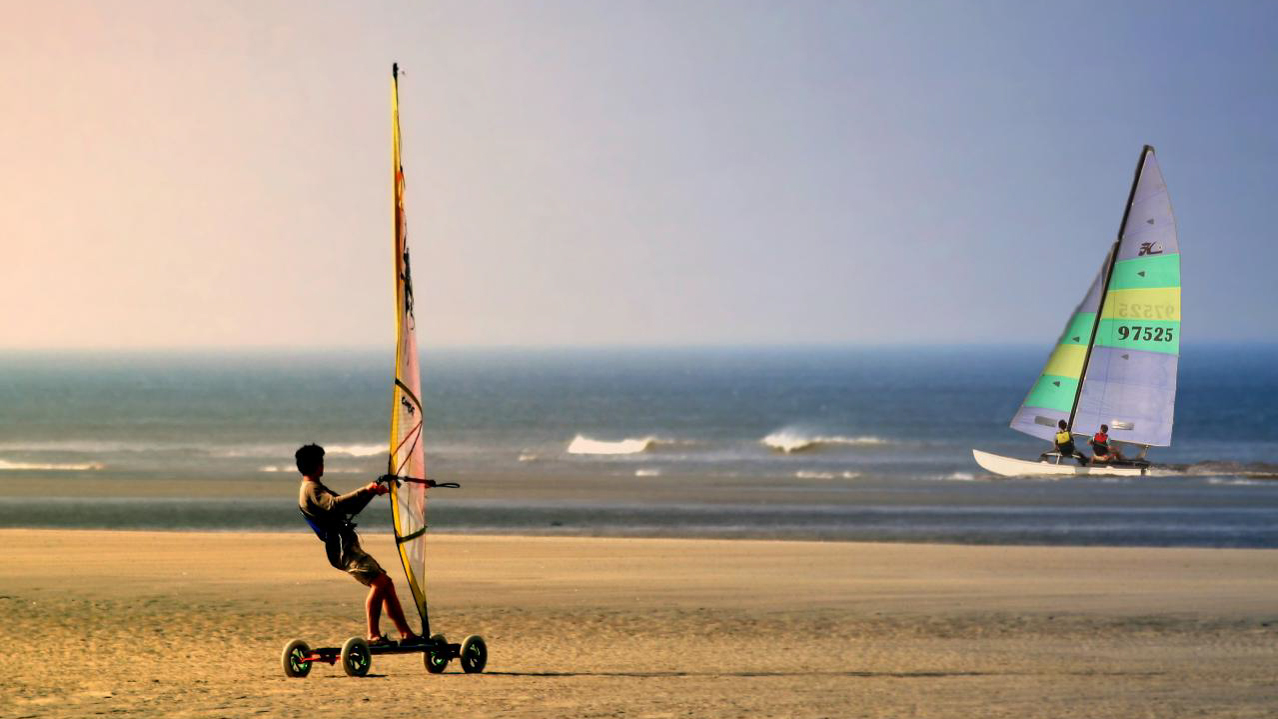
(356, 659)
(474, 654)
(295, 665)
(436, 659)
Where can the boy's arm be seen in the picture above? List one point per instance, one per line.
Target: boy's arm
(354, 502)
(349, 503)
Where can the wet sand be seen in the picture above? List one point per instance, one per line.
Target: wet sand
(191, 625)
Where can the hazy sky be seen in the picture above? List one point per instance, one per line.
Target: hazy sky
(217, 174)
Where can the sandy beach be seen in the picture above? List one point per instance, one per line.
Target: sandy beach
(191, 625)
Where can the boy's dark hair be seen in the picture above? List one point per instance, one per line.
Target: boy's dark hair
(309, 458)
(1060, 424)
(1104, 428)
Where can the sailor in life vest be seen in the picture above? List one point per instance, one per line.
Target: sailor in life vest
(1104, 451)
(1065, 444)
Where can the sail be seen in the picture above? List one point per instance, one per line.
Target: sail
(1130, 383)
(407, 459)
(1052, 396)
(1123, 341)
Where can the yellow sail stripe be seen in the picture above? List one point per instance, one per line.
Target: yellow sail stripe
(1161, 303)
(1066, 361)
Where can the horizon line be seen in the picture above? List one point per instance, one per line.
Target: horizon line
(602, 346)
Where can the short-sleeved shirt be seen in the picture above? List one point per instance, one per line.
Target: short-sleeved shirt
(330, 510)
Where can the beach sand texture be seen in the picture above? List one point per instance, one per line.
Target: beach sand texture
(191, 625)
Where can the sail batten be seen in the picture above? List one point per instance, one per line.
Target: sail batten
(406, 456)
(1126, 332)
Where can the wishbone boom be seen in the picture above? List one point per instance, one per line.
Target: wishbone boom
(387, 478)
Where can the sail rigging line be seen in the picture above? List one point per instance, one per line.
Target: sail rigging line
(1109, 274)
(414, 434)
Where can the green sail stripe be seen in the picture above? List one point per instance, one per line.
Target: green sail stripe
(1160, 271)
(1079, 329)
(1047, 394)
(1148, 335)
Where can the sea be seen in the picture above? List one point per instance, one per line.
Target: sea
(813, 443)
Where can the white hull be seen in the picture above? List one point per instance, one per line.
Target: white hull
(1009, 467)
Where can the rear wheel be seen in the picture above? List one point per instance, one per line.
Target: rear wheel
(294, 659)
(356, 659)
(436, 658)
(474, 654)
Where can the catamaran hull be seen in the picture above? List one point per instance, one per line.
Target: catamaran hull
(1011, 467)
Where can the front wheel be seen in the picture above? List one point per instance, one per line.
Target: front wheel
(294, 659)
(474, 654)
(436, 658)
(356, 659)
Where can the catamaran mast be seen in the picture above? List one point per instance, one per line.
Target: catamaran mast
(1109, 273)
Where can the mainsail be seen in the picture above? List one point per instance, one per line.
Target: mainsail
(1116, 361)
(407, 459)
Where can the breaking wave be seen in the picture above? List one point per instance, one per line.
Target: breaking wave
(1236, 482)
(810, 474)
(357, 450)
(6, 465)
(789, 441)
(581, 444)
(291, 469)
(647, 472)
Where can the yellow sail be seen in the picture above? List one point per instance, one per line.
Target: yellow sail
(408, 505)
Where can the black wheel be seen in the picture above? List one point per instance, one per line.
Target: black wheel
(356, 659)
(294, 659)
(436, 658)
(474, 654)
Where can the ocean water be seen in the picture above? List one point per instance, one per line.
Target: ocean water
(828, 443)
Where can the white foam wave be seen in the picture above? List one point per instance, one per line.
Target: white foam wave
(219, 451)
(6, 465)
(789, 441)
(356, 450)
(962, 477)
(291, 469)
(1238, 482)
(529, 457)
(582, 444)
(647, 472)
(811, 474)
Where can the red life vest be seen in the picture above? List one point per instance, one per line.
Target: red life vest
(1101, 440)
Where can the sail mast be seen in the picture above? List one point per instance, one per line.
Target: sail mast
(1109, 273)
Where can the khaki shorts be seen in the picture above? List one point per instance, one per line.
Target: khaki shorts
(362, 566)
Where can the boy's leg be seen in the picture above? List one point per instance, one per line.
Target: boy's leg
(394, 610)
(373, 605)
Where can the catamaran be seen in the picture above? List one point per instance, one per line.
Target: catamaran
(1115, 363)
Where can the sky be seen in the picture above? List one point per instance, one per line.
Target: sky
(217, 175)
